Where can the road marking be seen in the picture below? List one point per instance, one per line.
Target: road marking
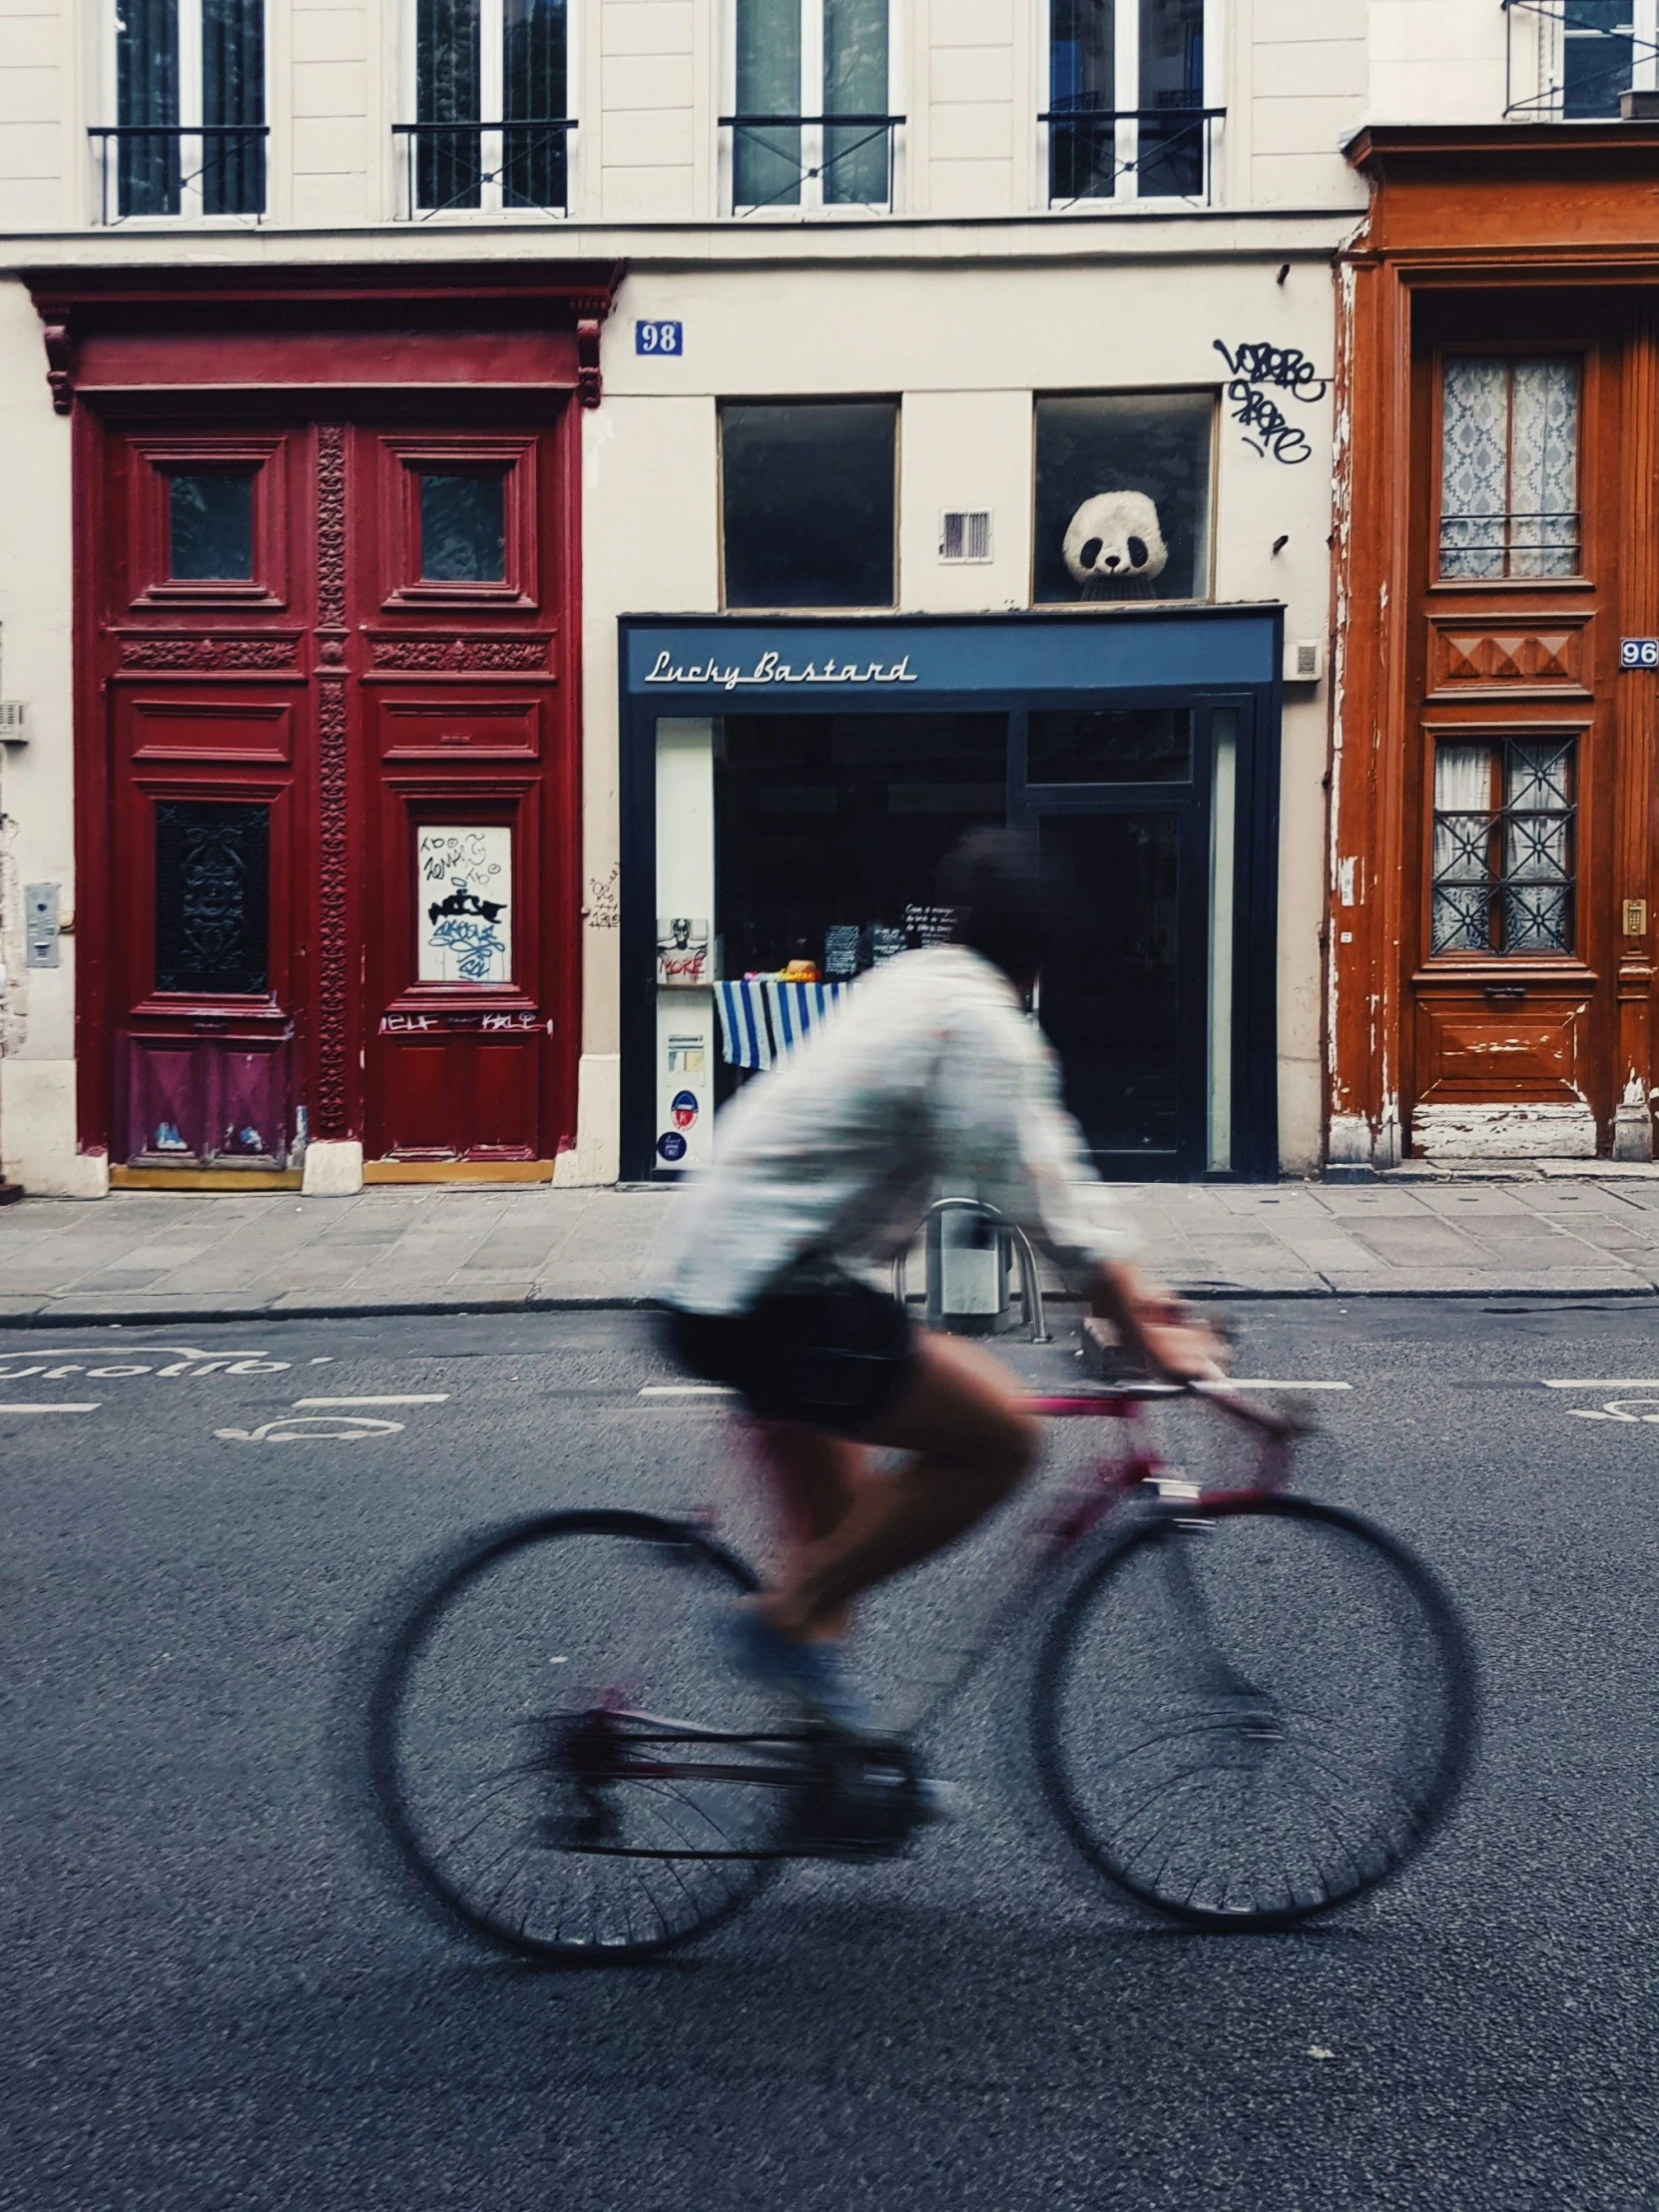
(1609, 1383)
(686, 1389)
(1272, 1382)
(90, 1408)
(314, 1429)
(410, 1398)
(181, 1360)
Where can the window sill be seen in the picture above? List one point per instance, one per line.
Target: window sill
(1506, 971)
(1508, 587)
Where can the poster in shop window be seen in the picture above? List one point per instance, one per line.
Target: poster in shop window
(464, 904)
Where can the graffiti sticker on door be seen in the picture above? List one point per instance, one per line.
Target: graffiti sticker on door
(464, 904)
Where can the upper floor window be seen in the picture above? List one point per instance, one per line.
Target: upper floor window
(190, 131)
(491, 91)
(810, 507)
(811, 126)
(1126, 116)
(1509, 468)
(1572, 59)
(1123, 496)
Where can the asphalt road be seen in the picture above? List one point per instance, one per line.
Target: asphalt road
(210, 2000)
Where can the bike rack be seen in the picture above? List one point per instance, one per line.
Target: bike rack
(1030, 1286)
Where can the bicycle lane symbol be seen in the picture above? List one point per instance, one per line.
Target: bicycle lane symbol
(1619, 1410)
(313, 1428)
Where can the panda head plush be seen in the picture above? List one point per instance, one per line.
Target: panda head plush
(1114, 546)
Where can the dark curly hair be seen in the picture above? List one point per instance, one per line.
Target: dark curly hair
(1009, 903)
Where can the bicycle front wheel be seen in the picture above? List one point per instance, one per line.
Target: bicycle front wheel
(558, 1749)
(1249, 1715)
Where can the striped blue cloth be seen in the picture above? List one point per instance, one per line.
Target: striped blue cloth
(763, 1018)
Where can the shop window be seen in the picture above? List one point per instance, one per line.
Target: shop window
(1113, 745)
(210, 525)
(831, 831)
(817, 59)
(1509, 468)
(213, 897)
(463, 528)
(190, 140)
(808, 502)
(1503, 847)
(1155, 141)
(491, 89)
(1123, 496)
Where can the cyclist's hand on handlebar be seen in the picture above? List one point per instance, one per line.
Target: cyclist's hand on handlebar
(1155, 1328)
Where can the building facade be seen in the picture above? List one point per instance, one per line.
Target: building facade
(532, 527)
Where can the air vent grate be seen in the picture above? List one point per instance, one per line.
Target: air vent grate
(965, 534)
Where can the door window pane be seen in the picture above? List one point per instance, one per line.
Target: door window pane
(1503, 847)
(766, 160)
(855, 82)
(810, 504)
(1114, 745)
(1111, 999)
(213, 897)
(146, 106)
(1509, 468)
(464, 904)
(1082, 80)
(533, 95)
(1170, 155)
(463, 534)
(210, 525)
(448, 164)
(1123, 496)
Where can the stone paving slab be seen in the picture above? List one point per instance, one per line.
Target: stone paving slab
(159, 1255)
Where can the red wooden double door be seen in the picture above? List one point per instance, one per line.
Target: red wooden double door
(339, 890)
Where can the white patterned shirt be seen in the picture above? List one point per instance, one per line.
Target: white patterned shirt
(929, 1075)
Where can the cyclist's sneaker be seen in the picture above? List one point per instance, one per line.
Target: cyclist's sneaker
(813, 1674)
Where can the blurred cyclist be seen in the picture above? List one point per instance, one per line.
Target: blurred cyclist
(931, 1071)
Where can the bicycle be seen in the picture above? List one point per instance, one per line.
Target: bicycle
(1247, 1708)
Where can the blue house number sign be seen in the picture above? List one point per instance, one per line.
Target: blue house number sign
(1639, 652)
(659, 337)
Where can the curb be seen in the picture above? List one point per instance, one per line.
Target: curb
(621, 1302)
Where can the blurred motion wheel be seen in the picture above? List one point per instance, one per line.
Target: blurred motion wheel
(1249, 1715)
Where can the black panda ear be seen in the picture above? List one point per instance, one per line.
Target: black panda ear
(1091, 552)
(1138, 555)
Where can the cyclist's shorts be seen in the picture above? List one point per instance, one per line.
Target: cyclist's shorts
(834, 1356)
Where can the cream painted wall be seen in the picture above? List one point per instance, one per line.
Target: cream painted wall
(1437, 61)
(964, 449)
(37, 1117)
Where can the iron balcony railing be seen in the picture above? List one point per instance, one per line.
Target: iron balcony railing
(521, 162)
(151, 168)
(849, 157)
(1169, 153)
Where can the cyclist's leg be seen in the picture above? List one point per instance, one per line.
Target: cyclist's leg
(970, 1442)
(811, 1477)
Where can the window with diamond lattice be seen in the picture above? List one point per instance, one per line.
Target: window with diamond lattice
(1503, 847)
(1509, 468)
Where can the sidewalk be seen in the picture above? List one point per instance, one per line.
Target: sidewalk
(145, 1256)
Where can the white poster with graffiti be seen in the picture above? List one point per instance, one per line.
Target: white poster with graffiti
(464, 904)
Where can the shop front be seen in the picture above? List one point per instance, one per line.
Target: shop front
(790, 786)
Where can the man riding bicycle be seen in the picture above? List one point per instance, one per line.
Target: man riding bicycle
(931, 1071)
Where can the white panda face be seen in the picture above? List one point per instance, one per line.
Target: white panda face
(1114, 543)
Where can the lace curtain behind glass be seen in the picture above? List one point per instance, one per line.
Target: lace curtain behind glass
(1509, 468)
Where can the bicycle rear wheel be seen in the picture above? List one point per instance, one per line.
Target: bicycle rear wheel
(558, 1750)
(1250, 1716)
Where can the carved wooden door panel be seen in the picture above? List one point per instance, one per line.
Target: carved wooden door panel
(463, 546)
(205, 600)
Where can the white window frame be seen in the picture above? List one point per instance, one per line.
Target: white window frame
(812, 201)
(1542, 26)
(1126, 72)
(190, 114)
(492, 55)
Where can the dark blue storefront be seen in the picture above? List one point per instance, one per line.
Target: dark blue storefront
(790, 783)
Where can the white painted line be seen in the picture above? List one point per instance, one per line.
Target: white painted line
(412, 1398)
(1609, 1383)
(1272, 1382)
(90, 1408)
(686, 1389)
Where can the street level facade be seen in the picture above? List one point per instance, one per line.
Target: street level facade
(532, 528)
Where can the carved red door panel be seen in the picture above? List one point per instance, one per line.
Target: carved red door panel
(466, 766)
(199, 632)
